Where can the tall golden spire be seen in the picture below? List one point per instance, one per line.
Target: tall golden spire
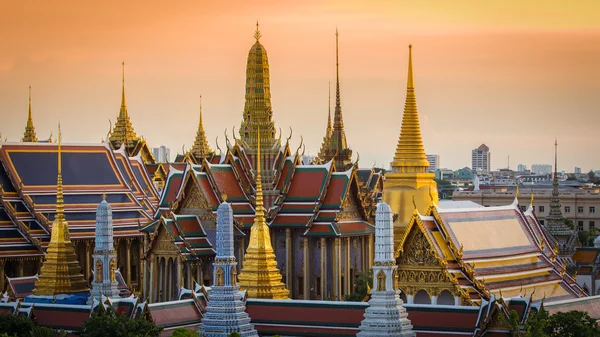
(410, 151)
(29, 135)
(201, 149)
(60, 272)
(328, 131)
(260, 276)
(409, 188)
(123, 131)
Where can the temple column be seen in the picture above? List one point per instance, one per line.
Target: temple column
(457, 300)
(179, 275)
(149, 283)
(87, 264)
(369, 255)
(20, 264)
(409, 299)
(2, 274)
(433, 299)
(289, 270)
(169, 288)
(128, 262)
(323, 268)
(363, 262)
(306, 270)
(142, 268)
(199, 275)
(347, 277)
(337, 268)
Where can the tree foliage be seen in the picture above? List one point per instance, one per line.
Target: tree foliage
(107, 323)
(19, 325)
(360, 286)
(561, 324)
(234, 334)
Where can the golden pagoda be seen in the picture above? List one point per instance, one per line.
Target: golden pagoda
(409, 179)
(123, 131)
(260, 276)
(29, 135)
(201, 149)
(336, 147)
(60, 272)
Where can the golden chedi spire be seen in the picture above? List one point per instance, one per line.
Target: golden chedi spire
(338, 147)
(258, 112)
(29, 135)
(201, 149)
(328, 130)
(123, 131)
(409, 179)
(60, 272)
(260, 276)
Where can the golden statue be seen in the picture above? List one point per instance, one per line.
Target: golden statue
(395, 276)
(113, 270)
(381, 281)
(220, 277)
(233, 276)
(99, 272)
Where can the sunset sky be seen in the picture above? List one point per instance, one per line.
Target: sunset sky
(511, 74)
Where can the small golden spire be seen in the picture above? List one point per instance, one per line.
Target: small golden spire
(531, 201)
(200, 148)
(60, 272)
(257, 34)
(123, 113)
(123, 132)
(260, 276)
(517, 191)
(410, 83)
(29, 135)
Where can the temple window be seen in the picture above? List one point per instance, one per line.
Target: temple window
(422, 297)
(445, 298)
(300, 286)
(318, 286)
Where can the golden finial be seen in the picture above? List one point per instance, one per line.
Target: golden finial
(223, 196)
(410, 84)
(257, 34)
(104, 196)
(29, 135)
(337, 69)
(517, 191)
(531, 201)
(123, 111)
(59, 183)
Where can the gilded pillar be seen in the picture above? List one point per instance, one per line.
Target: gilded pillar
(20, 264)
(370, 251)
(128, 262)
(179, 276)
(323, 268)
(86, 265)
(289, 266)
(337, 268)
(347, 277)
(363, 250)
(141, 263)
(306, 270)
(150, 282)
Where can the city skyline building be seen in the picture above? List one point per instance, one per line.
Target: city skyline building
(434, 162)
(162, 154)
(541, 169)
(481, 159)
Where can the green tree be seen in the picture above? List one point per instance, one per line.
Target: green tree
(572, 324)
(183, 332)
(537, 324)
(234, 334)
(360, 286)
(591, 177)
(16, 324)
(107, 323)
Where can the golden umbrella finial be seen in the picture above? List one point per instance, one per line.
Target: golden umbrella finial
(257, 34)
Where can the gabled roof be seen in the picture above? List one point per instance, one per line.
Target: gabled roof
(171, 315)
(21, 287)
(494, 250)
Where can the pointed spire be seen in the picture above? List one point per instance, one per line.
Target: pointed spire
(257, 34)
(338, 122)
(410, 151)
(29, 135)
(123, 111)
(201, 149)
(123, 132)
(329, 130)
(60, 272)
(260, 276)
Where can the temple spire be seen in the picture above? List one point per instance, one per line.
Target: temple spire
(257, 34)
(260, 276)
(328, 131)
(410, 151)
(123, 131)
(60, 272)
(29, 135)
(201, 149)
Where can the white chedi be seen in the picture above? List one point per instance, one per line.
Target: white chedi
(385, 315)
(226, 309)
(104, 256)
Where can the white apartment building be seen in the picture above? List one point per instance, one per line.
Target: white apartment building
(481, 159)
(434, 162)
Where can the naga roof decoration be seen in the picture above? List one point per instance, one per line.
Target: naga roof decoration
(493, 250)
(27, 175)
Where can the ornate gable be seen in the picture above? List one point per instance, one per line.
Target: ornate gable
(162, 243)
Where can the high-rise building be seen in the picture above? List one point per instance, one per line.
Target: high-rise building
(577, 170)
(521, 167)
(434, 162)
(481, 159)
(541, 169)
(162, 154)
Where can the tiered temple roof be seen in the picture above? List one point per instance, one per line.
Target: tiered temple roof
(28, 192)
(486, 251)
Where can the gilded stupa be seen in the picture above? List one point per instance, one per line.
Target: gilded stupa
(60, 272)
(336, 147)
(123, 130)
(201, 149)
(409, 182)
(260, 276)
(29, 135)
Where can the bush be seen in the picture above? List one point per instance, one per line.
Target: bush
(360, 286)
(234, 334)
(107, 323)
(183, 332)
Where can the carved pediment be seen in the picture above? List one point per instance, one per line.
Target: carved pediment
(193, 197)
(418, 251)
(163, 245)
